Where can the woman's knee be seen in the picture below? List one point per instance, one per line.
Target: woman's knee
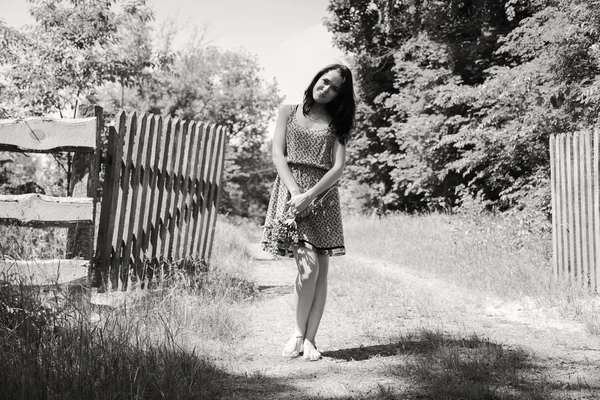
(307, 262)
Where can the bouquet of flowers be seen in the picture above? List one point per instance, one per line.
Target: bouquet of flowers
(283, 232)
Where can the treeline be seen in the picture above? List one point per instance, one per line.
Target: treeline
(459, 97)
(111, 52)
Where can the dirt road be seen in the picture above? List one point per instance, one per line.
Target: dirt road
(398, 345)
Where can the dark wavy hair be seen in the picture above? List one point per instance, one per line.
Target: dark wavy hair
(342, 108)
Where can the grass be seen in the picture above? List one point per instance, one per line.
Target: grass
(436, 365)
(500, 254)
(141, 345)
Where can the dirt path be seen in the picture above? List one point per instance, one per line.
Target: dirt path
(362, 361)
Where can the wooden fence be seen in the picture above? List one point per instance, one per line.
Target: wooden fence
(575, 184)
(48, 135)
(160, 195)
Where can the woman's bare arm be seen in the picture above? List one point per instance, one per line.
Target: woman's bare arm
(302, 200)
(279, 146)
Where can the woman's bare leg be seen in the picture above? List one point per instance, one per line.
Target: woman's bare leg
(317, 309)
(307, 262)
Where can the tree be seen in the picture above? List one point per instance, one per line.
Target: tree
(477, 88)
(206, 83)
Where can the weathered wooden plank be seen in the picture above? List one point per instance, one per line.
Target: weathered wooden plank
(583, 212)
(589, 217)
(197, 159)
(218, 189)
(570, 207)
(39, 210)
(133, 206)
(43, 272)
(198, 190)
(576, 207)
(183, 191)
(153, 210)
(589, 197)
(165, 232)
(166, 155)
(143, 206)
(555, 219)
(565, 205)
(203, 194)
(209, 193)
(596, 207)
(117, 264)
(94, 277)
(129, 191)
(559, 202)
(177, 184)
(48, 134)
(110, 201)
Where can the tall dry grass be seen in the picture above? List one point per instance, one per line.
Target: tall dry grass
(139, 345)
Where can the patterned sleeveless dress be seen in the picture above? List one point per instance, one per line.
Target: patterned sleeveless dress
(309, 154)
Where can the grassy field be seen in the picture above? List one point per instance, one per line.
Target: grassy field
(179, 340)
(501, 254)
(152, 345)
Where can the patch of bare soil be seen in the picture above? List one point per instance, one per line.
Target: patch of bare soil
(557, 359)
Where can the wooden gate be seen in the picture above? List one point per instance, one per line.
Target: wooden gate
(575, 183)
(160, 196)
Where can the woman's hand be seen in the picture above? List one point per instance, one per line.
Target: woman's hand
(300, 202)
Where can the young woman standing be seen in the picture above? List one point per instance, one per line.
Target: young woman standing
(309, 151)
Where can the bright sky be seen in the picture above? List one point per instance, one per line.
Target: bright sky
(287, 36)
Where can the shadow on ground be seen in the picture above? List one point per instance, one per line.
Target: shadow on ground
(440, 366)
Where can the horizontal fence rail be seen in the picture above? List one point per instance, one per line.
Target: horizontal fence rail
(575, 185)
(160, 198)
(40, 210)
(48, 134)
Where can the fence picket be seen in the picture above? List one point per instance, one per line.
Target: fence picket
(575, 208)
(596, 207)
(125, 200)
(205, 206)
(153, 172)
(144, 199)
(565, 206)
(132, 214)
(197, 160)
(589, 217)
(555, 223)
(216, 198)
(169, 192)
(583, 213)
(165, 156)
(191, 144)
(180, 184)
(207, 140)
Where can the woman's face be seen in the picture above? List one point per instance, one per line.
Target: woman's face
(327, 87)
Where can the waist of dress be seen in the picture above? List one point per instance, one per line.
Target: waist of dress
(298, 165)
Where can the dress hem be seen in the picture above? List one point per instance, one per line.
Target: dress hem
(330, 251)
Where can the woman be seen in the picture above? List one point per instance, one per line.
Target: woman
(309, 151)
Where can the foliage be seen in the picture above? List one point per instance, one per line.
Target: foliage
(206, 83)
(68, 53)
(477, 89)
(104, 51)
